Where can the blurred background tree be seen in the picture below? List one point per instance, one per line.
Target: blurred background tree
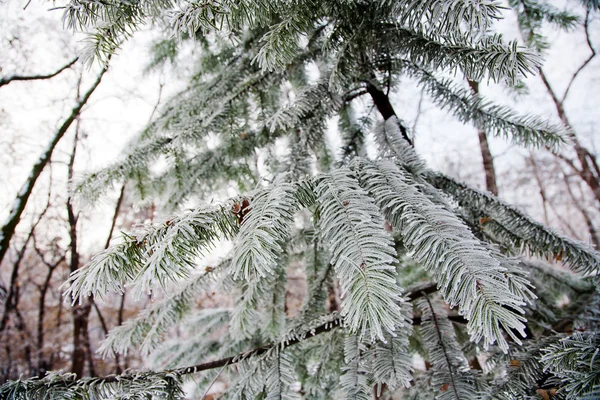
(182, 170)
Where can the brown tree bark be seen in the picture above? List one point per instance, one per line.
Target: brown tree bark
(22, 328)
(542, 189)
(486, 154)
(43, 364)
(382, 102)
(81, 311)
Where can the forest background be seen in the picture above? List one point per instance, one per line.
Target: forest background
(37, 327)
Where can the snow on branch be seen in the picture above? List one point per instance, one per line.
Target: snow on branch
(148, 328)
(363, 255)
(265, 228)
(488, 57)
(516, 228)
(155, 255)
(496, 120)
(467, 274)
(449, 16)
(575, 363)
(450, 372)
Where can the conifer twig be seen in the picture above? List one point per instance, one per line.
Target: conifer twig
(434, 319)
(586, 27)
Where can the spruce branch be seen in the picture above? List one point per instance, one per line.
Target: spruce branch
(561, 277)
(390, 360)
(486, 57)
(354, 379)
(265, 293)
(264, 230)
(496, 120)
(574, 361)
(254, 94)
(382, 102)
(108, 23)
(304, 103)
(319, 276)
(532, 14)
(524, 371)
(517, 229)
(362, 254)
(468, 276)
(159, 382)
(443, 16)
(280, 376)
(154, 255)
(94, 185)
(389, 136)
(148, 328)
(65, 384)
(170, 133)
(439, 338)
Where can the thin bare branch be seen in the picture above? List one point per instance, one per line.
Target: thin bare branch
(542, 188)
(586, 27)
(8, 79)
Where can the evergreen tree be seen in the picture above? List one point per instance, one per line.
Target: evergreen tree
(423, 265)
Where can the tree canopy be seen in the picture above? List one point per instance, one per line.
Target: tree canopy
(424, 267)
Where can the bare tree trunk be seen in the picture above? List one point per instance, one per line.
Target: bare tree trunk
(80, 311)
(9, 302)
(486, 154)
(8, 366)
(21, 327)
(43, 365)
(20, 202)
(81, 314)
(113, 224)
(58, 325)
